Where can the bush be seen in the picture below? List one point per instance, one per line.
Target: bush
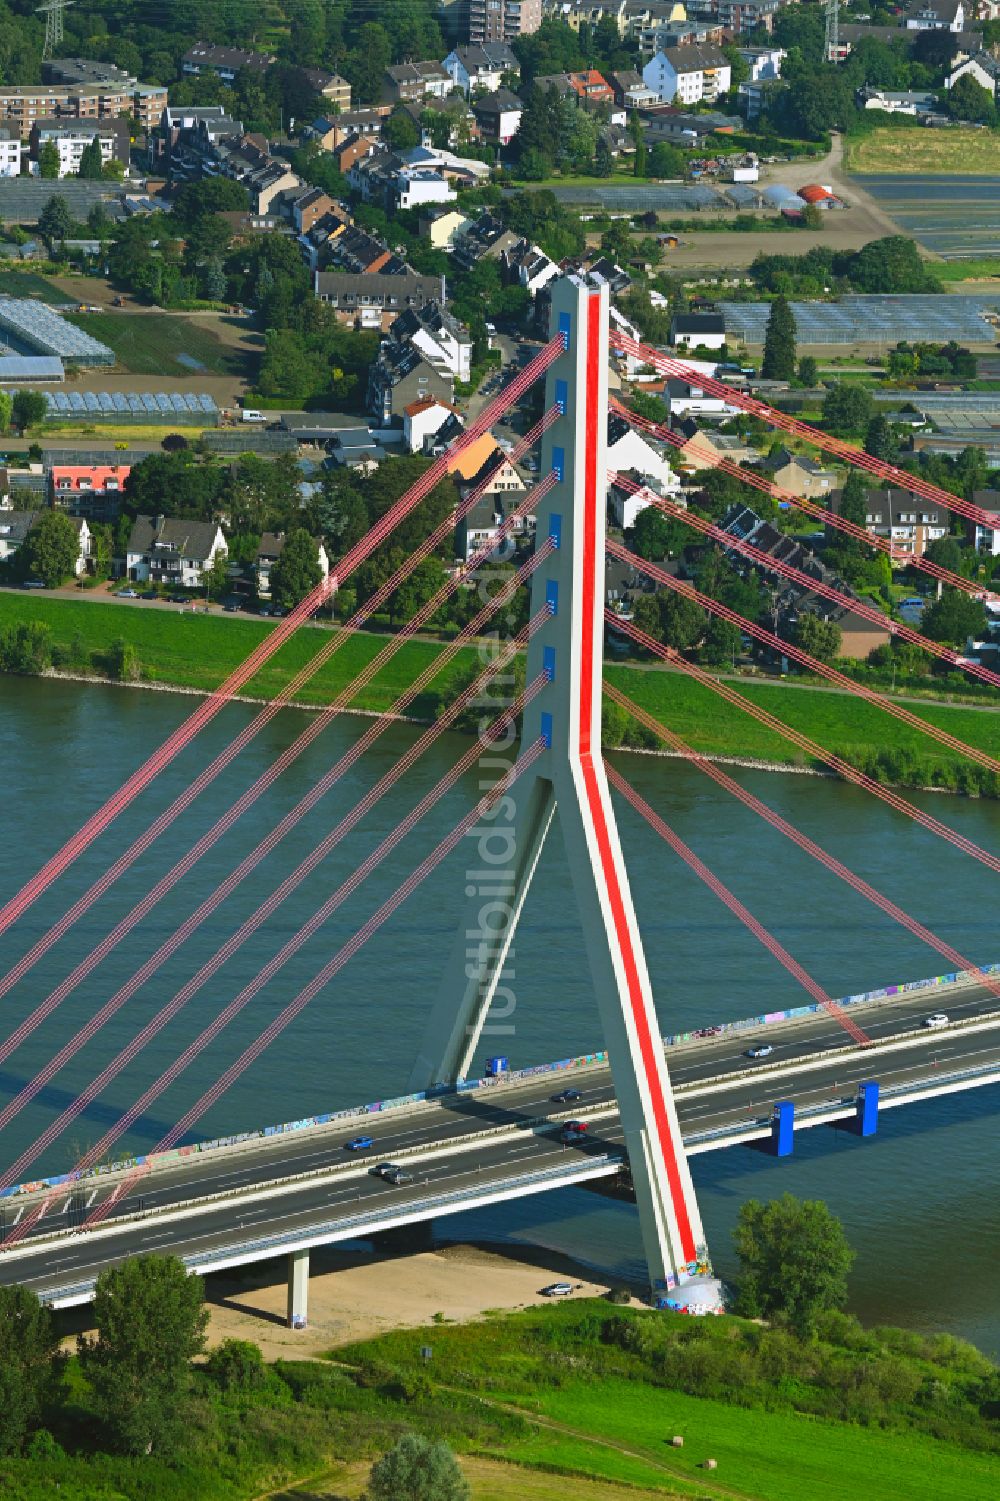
(237, 1365)
(26, 649)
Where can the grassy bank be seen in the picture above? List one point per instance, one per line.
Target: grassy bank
(577, 1400)
(892, 149)
(185, 650)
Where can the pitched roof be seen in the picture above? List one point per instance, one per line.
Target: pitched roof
(189, 539)
(468, 461)
(15, 525)
(417, 408)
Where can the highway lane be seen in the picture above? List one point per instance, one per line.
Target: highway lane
(453, 1117)
(326, 1205)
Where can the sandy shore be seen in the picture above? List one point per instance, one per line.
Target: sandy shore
(354, 1295)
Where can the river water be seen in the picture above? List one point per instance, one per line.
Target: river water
(921, 1203)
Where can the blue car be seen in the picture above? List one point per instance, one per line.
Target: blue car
(359, 1143)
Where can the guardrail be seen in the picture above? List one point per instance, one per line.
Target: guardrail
(582, 1061)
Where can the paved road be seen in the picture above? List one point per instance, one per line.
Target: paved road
(455, 1156)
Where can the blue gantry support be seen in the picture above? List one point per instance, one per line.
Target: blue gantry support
(565, 328)
(547, 730)
(559, 463)
(783, 1128)
(552, 595)
(549, 662)
(555, 529)
(866, 1117)
(562, 396)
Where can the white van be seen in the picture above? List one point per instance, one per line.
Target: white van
(249, 415)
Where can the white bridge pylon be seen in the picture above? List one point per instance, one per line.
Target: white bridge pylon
(569, 779)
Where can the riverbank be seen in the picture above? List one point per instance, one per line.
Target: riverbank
(179, 650)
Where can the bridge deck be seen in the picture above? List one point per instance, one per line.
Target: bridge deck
(240, 1205)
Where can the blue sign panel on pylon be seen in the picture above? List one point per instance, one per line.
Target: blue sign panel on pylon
(867, 1108)
(559, 463)
(552, 596)
(565, 328)
(562, 395)
(783, 1128)
(547, 730)
(555, 529)
(549, 663)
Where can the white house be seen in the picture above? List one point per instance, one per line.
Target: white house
(71, 139)
(937, 15)
(984, 538)
(11, 148)
(438, 336)
(688, 75)
(165, 550)
(416, 186)
(984, 68)
(625, 504)
(269, 550)
(629, 450)
(15, 526)
(685, 398)
(698, 330)
(481, 66)
(423, 419)
(763, 62)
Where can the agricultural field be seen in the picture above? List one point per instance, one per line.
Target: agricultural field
(165, 344)
(953, 216)
(30, 284)
(908, 151)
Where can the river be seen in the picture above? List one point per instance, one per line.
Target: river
(921, 1203)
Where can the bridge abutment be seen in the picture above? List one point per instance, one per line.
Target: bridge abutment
(298, 1289)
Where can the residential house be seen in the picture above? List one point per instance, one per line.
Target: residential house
(526, 265)
(354, 249)
(685, 398)
(11, 149)
(791, 599)
(577, 13)
(936, 15)
(167, 550)
(689, 75)
(71, 139)
(626, 502)
(702, 449)
(481, 66)
(486, 239)
(22, 104)
(401, 375)
(224, 62)
(500, 20)
(269, 550)
(438, 335)
(309, 207)
(909, 522)
(698, 331)
(440, 225)
(630, 451)
(498, 116)
(330, 131)
(371, 299)
(631, 90)
(645, 21)
(982, 537)
(984, 68)
(335, 90)
(15, 526)
(916, 102)
(394, 181)
(679, 128)
(763, 62)
(93, 491)
(424, 419)
(413, 82)
(484, 465)
(591, 87)
(801, 475)
(755, 97)
(742, 16)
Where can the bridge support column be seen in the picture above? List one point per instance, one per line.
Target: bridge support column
(866, 1117)
(570, 781)
(783, 1128)
(298, 1289)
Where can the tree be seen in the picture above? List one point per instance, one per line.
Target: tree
(812, 216)
(417, 1469)
(721, 642)
(968, 100)
(844, 552)
(954, 618)
(55, 221)
(604, 162)
(216, 576)
(50, 550)
(28, 1363)
(209, 195)
(891, 264)
(28, 409)
(654, 536)
(666, 161)
(91, 161)
(237, 1365)
(779, 342)
(297, 571)
(401, 131)
(48, 160)
(151, 1320)
(26, 648)
(946, 552)
(820, 638)
(6, 411)
(682, 621)
(880, 439)
(794, 1260)
(808, 371)
(847, 409)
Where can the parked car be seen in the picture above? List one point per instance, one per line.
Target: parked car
(936, 1019)
(359, 1143)
(33, 584)
(566, 1096)
(126, 594)
(557, 1290)
(150, 594)
(759, 1050)
(178, 599)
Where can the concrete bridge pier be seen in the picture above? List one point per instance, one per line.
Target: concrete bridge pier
(298, 1289)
